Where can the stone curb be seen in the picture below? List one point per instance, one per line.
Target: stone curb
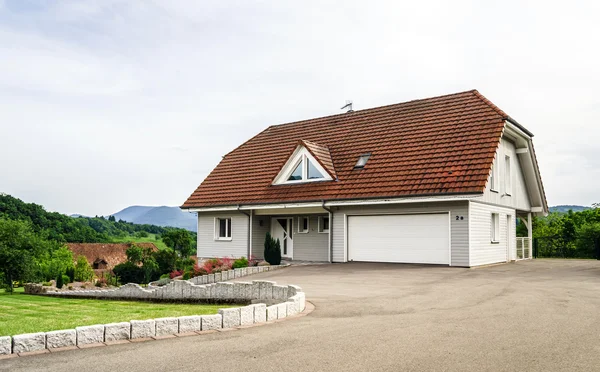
(228, 319)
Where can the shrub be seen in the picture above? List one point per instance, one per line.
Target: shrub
(71, 274)
(101, 282)
(83, 270)
(128, 272)
(47, 284)
(239, 263)
(165, 276)
(187, 275)
(65, 279)
(70, 288)
(199, 271)
(175, 273)
(272, 250)
(163, 281)
(59, 282)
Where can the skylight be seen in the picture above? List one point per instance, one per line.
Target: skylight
(362, 161)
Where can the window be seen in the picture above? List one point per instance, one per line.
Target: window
(303, 225)
(306, 170)
(223, 229)
(507, 176)
(323, 224)
(493, 178)
(302, 166)
(362, 161)
(495, 228)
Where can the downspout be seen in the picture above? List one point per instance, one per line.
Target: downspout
(330, 230)
(249, 229)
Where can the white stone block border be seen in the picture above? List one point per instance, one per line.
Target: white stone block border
(286, 301)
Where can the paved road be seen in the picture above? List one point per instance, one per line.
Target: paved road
(541, 315)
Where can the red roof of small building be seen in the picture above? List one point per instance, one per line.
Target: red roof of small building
(111, 253)
(434, 146)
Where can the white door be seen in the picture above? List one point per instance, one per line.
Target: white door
(281, 228)
(415, 238)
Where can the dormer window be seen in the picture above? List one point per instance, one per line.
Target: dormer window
(306, 170)
(362, 161)
(302, 167)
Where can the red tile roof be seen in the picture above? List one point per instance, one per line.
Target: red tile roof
(434, 146)
(322, 155)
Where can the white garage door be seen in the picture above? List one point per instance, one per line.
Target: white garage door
(414, 238)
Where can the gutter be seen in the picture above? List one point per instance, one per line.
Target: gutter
(330, 238)
(249, 228)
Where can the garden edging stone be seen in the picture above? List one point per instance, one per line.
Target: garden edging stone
(273, 302)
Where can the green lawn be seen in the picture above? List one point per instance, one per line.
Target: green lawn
(149, 239)
(21, 313)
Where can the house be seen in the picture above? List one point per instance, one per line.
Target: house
(441, 180)
(104, 256)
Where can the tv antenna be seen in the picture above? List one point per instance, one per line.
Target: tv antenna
(348, 105)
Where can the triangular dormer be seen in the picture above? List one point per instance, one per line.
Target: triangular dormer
(309, 162)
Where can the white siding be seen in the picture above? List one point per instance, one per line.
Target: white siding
(518, 198)
(483, 251)
(459, 229)
(312, 246)
(258, 235)
(209, 247)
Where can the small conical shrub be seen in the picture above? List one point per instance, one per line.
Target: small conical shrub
(59, 281)
(272, 250)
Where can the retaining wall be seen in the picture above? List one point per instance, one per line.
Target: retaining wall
(288, 300)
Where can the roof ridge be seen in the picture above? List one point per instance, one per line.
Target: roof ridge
(377, 108)
(489, 103)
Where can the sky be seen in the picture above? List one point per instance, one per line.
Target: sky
(110, 103)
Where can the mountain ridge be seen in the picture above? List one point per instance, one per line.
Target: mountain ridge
(164, 216)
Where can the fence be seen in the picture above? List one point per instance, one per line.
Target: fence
(557, 247)
(523, 248)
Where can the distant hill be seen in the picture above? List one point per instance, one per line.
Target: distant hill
(160, 216)
(566, 208)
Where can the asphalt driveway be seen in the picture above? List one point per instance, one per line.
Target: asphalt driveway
(541, 315)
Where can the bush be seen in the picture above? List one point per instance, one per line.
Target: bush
(175, 273)
(163, 281)
(59, 282)
(272, 250)
(165, 276)
(239, 263)
(199, 271)
(128, 272)
(47, 284)
(83, 270)
(187, 275)
(71, 274)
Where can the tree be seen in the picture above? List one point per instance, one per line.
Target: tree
(55, 262)
(83, 270)
(272, 250)
(179, 240)
(19, 246)
(111, 218)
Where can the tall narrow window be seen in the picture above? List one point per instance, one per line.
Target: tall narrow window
(493, 178)
(303, 225)
(223, 229)
(323, 224)
(495, 228)
(507, 176)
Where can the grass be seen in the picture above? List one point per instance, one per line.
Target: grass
(21, 313)
(132, 239)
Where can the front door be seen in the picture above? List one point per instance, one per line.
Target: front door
(282, 229)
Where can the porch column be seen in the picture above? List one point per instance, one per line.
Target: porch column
(530, 234)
